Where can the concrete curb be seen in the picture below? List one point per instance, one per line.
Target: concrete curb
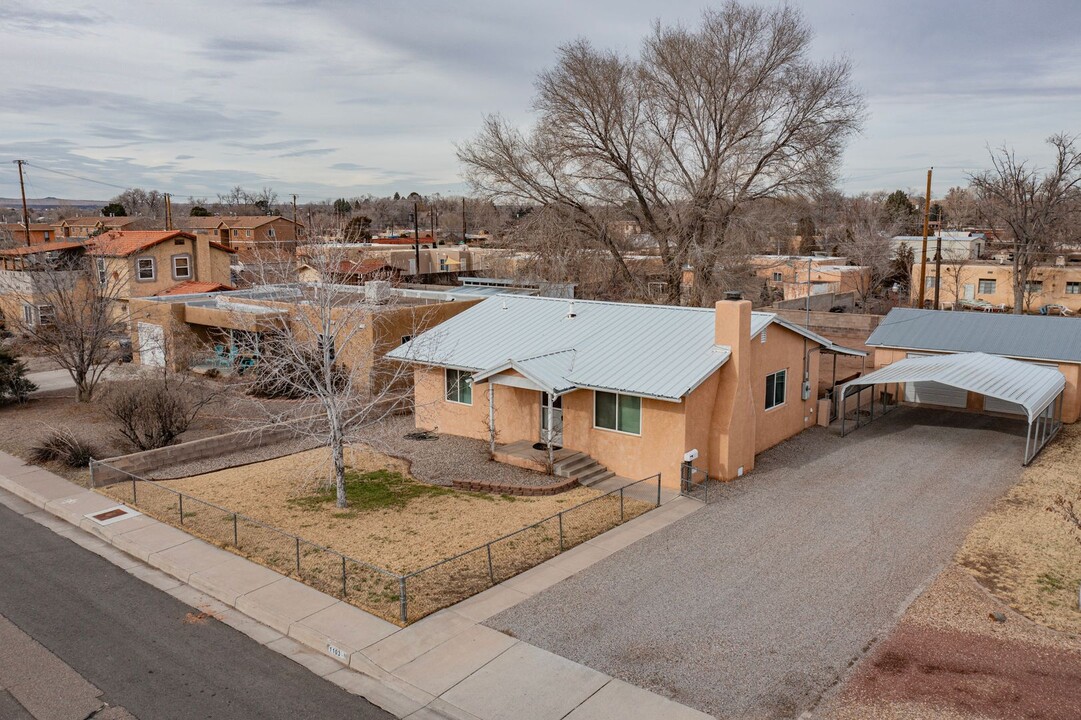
(411, 672)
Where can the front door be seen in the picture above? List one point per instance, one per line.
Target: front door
(969, 291)
(557, 419)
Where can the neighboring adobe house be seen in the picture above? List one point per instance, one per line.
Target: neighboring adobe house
(347, 272)
(210, 225)
(979, 284)
(231, 327)
(632, 386)
(20, 284)
(83, 228)
(261, 237)
(1047, 341)
(401, 256)
(150, 262)
(15, 233)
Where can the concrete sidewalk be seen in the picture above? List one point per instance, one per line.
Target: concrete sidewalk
(447, 665)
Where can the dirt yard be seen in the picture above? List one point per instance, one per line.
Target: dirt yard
(998, 633)
(399, 536)
(23, 426)
(1025, 554)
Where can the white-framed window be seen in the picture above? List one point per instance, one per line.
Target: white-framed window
(48, 236)
(102, 272)
(247, 233)
(144, 269)
(38, 315)
(778, 277)
(615, 411)
(442, 264)
(1073, 288)
(987, 287)
(181, 267)
(459, 386)
(270, 233)
(775, 388)
(929, 282)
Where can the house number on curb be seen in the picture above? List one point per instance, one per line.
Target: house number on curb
(337, 652)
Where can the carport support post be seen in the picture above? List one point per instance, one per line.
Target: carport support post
(548, 436)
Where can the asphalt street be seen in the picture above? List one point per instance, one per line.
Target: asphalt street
(138, 644)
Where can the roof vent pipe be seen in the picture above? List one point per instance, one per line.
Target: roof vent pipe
(504, 303)
(570, 310)
(733, 295)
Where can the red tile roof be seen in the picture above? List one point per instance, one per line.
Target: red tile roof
(203, 222)
(93, 220)
(191, 287)
(251, 221)
(121, 243)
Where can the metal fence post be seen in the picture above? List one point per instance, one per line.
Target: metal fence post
(133, 500)
(491, 571)
(560, 532)
(236, 543)
(181, 509)
(621, 504)
(403, 607)
(658, 489)
(298, 555)
(344, 591)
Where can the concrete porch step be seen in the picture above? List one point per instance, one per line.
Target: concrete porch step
(598, 475)
(573, 465)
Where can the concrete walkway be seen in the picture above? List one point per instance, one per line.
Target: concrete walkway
(448, 665)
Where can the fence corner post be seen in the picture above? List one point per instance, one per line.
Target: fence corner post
(92, 483)
(236, 543)
(403, 608)
(621, 504)
(658, 489)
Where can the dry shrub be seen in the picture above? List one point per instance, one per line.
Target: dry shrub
(61, 445)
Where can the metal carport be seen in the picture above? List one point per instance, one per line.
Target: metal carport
(1036, 389)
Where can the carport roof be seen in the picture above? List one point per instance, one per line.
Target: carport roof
(1033, 387)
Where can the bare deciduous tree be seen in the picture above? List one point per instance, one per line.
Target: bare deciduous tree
(312, 356)
(72, 317)
(1033, 205)
(703, 123)
(866, 231)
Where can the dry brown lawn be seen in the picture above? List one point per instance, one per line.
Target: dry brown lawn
(1027, 555)
(401, 539)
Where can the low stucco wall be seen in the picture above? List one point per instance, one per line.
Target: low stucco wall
(833, 323)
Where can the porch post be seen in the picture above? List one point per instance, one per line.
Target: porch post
(491, 417)
(548, 436)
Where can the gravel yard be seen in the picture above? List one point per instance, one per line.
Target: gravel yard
(758, 604)
(447, 457)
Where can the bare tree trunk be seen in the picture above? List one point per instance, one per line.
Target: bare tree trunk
(337, 452)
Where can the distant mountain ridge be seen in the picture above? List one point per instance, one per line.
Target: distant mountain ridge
(50, 202)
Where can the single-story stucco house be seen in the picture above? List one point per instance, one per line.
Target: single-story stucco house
(633, 387)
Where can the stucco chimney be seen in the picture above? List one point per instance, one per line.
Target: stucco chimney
(732, 427)
(203, 270)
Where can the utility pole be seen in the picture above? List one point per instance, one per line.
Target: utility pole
(463, 222)
(294, 210)
(22, 189)
(416, 236)
(168, 211)
(431, 219)
(923, 256)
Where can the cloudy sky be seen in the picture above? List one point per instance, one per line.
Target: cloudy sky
(347, 97)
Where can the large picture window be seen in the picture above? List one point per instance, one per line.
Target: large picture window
(775, 387)
(613, 411)
(459, 386)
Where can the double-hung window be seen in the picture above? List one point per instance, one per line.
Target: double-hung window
(144, 269)
(615, 411)
(778, 277)
(459, 386)
(102, 274)
(181, 267)
(1073, 288)
(775, 388)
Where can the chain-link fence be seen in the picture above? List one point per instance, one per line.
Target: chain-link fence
(397, 597)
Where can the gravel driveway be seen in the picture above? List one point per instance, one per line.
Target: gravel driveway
(757, 604)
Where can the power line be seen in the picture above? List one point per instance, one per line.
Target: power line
(76, 177)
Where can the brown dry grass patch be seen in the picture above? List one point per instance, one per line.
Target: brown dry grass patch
(401, 539)
(1026, 555)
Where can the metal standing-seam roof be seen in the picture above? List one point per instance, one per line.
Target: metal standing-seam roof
(1033, 387)
(1022, 336)
(655, 351)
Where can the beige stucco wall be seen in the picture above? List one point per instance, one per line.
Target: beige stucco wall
(122, 270)
(783, 350)
(517, 410)
(955, 278)
(1071, 396)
